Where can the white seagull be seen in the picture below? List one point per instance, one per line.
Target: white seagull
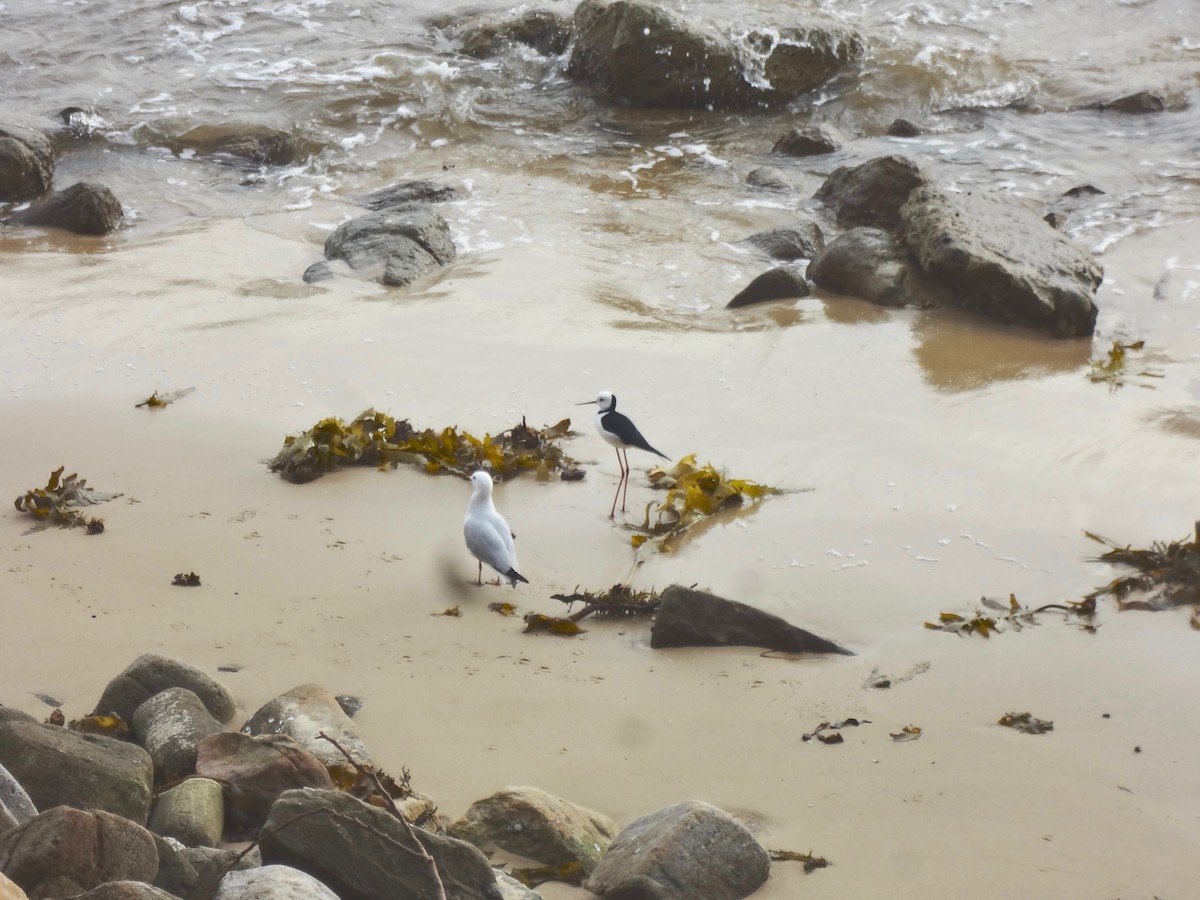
(487, 534)
(622, 434)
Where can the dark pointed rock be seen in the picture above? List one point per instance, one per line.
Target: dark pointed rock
(780, 283)
(872, 193)
(83, 208)
(691, 618)
(26, 164)
(807, 140)
(801, 242)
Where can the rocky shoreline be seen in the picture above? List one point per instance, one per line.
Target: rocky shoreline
(151, 796)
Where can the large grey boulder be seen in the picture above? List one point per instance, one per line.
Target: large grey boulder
(872, 193)
(254, 771)
(272, 883)
(682, 852)
(192, 812)
(151, 673)
(365, 853)
(691, 618)
(26, 164)
(642, 54)
(83, 208)
(394, 246)
(57, 766)
(304, 713)
(65, 851)
(532, 823)
(999, 258)
(170, 725)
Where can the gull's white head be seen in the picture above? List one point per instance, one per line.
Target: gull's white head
(482, 482)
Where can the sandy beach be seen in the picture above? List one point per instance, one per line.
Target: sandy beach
(929, 459)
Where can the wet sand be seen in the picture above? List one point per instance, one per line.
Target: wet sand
(932, 460)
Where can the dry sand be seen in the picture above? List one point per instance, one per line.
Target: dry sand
(946, 460)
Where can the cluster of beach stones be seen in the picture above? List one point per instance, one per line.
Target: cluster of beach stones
(156, 813)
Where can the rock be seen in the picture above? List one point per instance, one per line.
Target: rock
(780, 283)
(394, 246)
(15, 806)
(802, 242)
(305, 712)
(531, 823)
(83, 208)
(644, 55)
(349, 703)
(318, 271)
(353, 850)
(192, 812)
(65, 851)
(169, 725)
(868, 263)
(904, 128)
(871, 194)
(125, 890)
(810, 140)
(10, 890)
(257, 144)
(254, 771)
(408, 193)
(769, 178)
(1140, 102)
(690, 618)
(57, 767)
(26, 164)
(510, 888)
(998, 258)
(272, 883)
(149, 674)
(539, 29)
(682, 852)
(181, 870)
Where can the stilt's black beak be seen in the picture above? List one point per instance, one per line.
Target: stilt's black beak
(588, 403)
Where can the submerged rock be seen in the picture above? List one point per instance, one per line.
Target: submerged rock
(780, 283)
(802, 242)
(810, 140)
(770, 178)
(691, 618)
(257, 144)
(484, 37)
(682, 852)
(994, 256)
(644, 55)
(1139, 102)
(26, 164)
(407, 193)
(83, 208)
(393, 246)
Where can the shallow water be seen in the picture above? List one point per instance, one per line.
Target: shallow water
(931, 458)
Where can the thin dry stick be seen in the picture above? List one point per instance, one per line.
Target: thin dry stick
(408, 827)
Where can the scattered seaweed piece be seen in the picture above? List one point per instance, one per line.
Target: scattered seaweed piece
(454, 612)
(505, 609)
(1168, 574)
(618, 601)
(551, 624)
(191, 579)
(568, 873)
(1025, 723)
(158, 401)
(110, 725)
(1113, 369)
(1012, 616)
(811, 862)
(907, 733)
(694, 495)
(59, 501)
(883, 682)
(375, 438)
(829, 732)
